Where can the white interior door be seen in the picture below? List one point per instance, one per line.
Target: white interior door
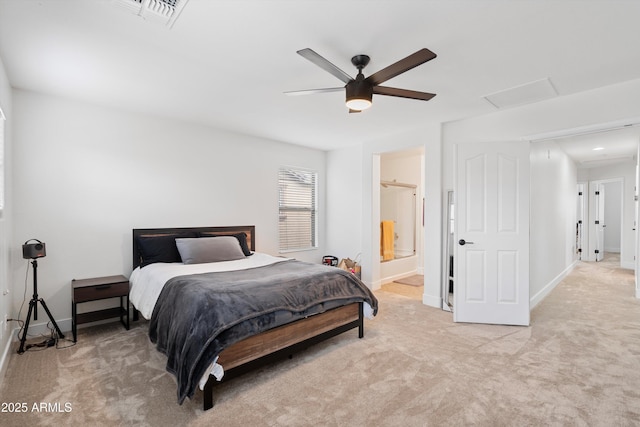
(636, 256)
(492, 233)
(599, 221)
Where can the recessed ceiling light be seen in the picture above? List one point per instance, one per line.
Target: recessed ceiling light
(598, 148)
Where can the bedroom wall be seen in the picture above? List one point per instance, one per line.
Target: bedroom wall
(85, 175)
(344, 196)
(6, 226)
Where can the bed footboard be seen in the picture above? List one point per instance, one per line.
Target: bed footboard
(283, 341)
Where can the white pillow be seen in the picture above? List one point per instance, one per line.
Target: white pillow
(199, 250)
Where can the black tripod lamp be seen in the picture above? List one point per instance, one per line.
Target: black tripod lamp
(33, 251)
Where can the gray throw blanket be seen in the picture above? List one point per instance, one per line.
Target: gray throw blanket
(197, 316)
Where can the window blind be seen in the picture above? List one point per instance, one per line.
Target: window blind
(297, 209)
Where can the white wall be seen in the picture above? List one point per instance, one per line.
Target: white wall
(552, 243)
(6, 225)
(85, 176)
(344, 202)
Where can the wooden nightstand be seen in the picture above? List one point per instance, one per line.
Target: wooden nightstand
(95, 289)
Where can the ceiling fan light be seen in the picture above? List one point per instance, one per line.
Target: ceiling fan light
(359, 94)
(358, 104)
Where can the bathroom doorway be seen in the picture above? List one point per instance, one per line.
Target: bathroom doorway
(401, 228)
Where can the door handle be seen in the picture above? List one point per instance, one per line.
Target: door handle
(463, 242)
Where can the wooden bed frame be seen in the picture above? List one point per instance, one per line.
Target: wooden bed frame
(275, 343)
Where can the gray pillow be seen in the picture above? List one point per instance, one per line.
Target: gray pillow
(209, 249)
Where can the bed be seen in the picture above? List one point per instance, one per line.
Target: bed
(217, 311)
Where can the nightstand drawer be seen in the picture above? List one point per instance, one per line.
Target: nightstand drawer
(96, 292)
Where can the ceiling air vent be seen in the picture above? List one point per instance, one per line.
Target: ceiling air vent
(161, 11)
(527, 93)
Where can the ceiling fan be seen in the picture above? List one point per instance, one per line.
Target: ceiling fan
(359, 91)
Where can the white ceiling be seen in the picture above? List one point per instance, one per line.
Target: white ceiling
(227, 63)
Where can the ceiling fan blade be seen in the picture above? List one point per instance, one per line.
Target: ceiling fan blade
(312, 91)
(411, 61)
(403, 93)
(324, 64)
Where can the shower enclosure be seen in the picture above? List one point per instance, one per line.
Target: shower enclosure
(398, 219)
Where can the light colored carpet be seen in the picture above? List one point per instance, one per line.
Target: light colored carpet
(577, 364)
(414, 292)
(415, 280)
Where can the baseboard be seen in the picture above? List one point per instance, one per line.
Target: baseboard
(537, 298)
(432, 301)
(36, 329)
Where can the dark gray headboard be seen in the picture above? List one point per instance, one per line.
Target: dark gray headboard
(249, 230)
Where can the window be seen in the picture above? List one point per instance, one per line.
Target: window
(297, 202)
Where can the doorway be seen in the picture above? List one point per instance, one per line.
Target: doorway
(399, 208)
(605, 225)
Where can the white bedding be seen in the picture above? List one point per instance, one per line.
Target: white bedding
(147, 282)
